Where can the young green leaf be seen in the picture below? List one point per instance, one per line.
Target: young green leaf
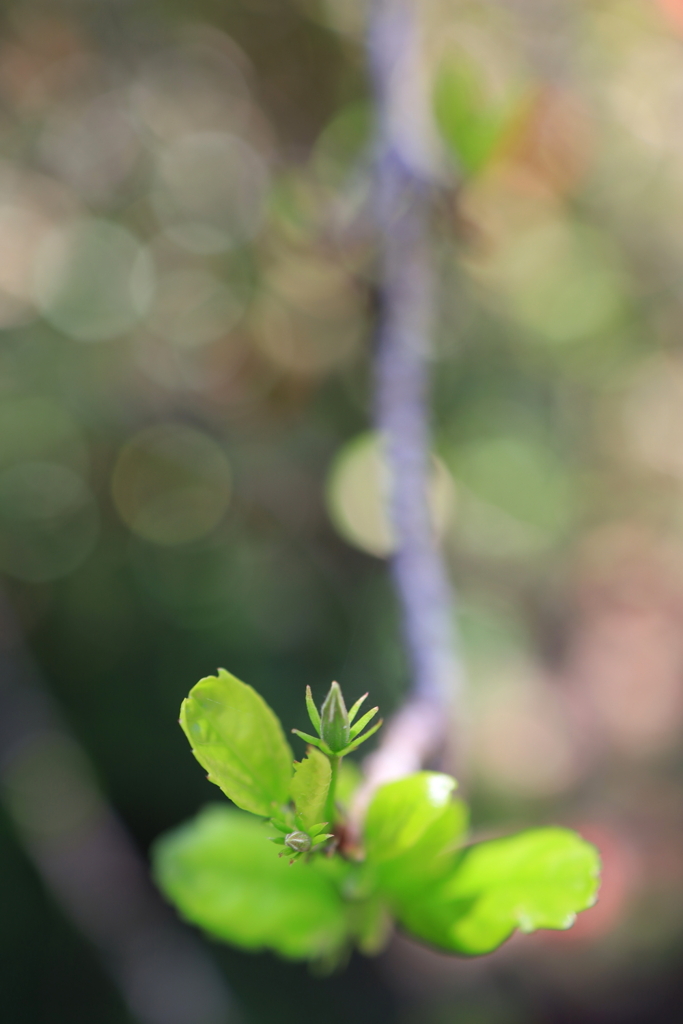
(312, 740)
(430, 858)
(315, 830)
(222, 876)
(361, 739)
(238, 739)
(402, 811)
(310, 786)
(537, 879)
(356, 708)
(362, 722)
(413, 828)
(312, 711)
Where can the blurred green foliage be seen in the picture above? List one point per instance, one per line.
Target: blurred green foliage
(474, 124)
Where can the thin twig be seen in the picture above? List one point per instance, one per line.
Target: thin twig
(404, 183)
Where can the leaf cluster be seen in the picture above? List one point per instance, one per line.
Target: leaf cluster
(414, 867)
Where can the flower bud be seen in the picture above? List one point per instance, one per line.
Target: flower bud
(300, 842)
(334, 720)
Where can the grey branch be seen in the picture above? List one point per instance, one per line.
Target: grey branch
(406, 169)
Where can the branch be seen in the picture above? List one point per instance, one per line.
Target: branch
(404, 180)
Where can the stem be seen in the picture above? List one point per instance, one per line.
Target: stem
(403, 189)
(330, 805)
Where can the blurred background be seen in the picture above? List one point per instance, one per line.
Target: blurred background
(188, 478)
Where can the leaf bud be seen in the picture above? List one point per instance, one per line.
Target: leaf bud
(334, 720)
(300, 842)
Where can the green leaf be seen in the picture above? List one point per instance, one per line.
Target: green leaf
(313, 740)
(312, 711)
(361, 739)
(412, 829)
(400, 813)
(362, 722)
(310, 786)
(224, 877)
(316, 829)
(356, 707)
(536, 879)
(239, 741)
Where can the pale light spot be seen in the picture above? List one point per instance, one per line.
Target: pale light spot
(357, 495)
